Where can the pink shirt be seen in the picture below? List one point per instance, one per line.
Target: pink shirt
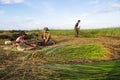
(19, 41)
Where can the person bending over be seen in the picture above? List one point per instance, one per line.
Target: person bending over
(76, 28)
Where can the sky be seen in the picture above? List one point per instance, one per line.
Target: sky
(58, 14)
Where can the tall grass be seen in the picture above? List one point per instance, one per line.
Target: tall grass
(89, 32)
(62, 32)
(104, 31)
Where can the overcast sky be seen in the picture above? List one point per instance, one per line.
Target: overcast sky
(58, 14)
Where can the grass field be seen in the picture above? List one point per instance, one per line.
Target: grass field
(104, 31)
(94, 55)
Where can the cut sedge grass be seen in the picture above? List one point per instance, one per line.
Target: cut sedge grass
(109, 70)
(82, 51)
(96, 71)
(95, 52)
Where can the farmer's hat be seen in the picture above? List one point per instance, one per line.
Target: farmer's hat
(46, 29)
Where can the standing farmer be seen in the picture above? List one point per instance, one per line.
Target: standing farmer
(76, 28)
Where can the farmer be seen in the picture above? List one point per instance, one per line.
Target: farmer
(21, 44)
(47, 37)
(76, 28)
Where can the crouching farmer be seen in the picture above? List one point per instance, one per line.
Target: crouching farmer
(47, 38)
(23, 45)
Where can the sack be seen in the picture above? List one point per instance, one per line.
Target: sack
(8, 42)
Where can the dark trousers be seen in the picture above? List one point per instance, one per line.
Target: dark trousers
(76, 32)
